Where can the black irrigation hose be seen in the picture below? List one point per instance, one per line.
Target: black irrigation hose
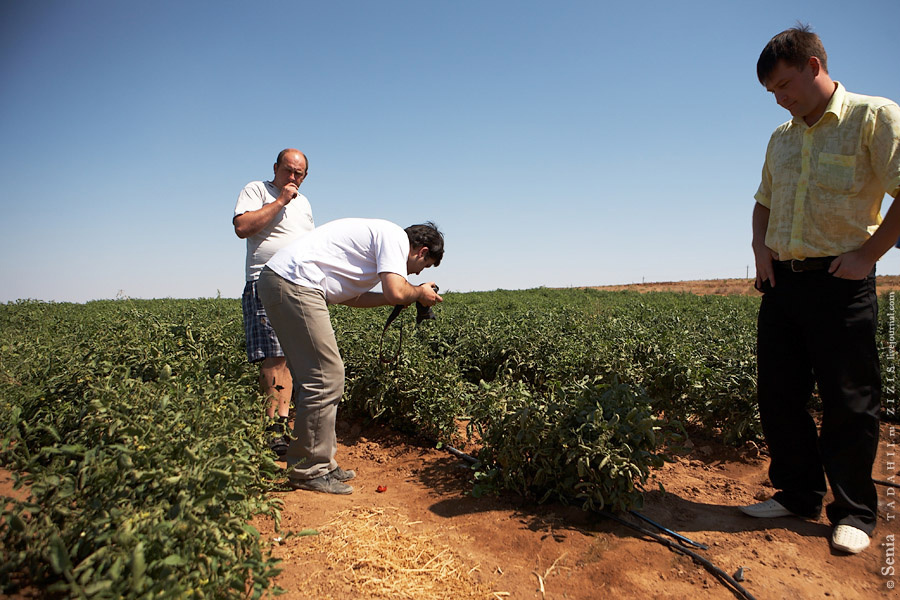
(887, 483)
(671, 533)
(458, 454)
(724, 577)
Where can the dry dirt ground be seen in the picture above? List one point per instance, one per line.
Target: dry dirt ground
(412, 529)
(510, 547)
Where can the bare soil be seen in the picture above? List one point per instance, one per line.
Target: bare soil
(511, 547)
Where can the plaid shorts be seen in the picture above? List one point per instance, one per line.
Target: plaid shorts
(261, 339)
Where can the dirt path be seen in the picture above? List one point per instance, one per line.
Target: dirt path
(505, 543)
(726, 287)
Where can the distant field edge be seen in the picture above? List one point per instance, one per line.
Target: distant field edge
(722, 287)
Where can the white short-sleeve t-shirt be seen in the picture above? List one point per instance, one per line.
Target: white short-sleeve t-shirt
(292, 221)
(344, 258)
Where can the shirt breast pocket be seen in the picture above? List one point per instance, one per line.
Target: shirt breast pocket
(836, 171)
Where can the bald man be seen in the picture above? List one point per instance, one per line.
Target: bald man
(270, 215)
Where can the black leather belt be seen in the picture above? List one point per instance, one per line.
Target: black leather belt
(819, 263)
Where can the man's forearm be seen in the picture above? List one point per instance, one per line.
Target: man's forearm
(367, 300)
(397, 290)
(760, 226)
(252, 222)
(762, 254)
(885, 237)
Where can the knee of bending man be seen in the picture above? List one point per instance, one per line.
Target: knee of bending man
(334, 380)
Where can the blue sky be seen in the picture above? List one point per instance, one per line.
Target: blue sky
(556, 144)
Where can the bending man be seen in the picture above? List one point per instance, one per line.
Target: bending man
(337, 263)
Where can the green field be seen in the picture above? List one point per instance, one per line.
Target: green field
(138, 427)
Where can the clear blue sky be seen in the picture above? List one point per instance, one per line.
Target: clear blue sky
(556, 144)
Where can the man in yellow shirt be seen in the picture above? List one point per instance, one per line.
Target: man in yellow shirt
(817, 233)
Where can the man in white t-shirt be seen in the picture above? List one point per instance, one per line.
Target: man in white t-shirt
(337, 263)
(270, 215)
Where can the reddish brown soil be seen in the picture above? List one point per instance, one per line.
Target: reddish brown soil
(508, 540)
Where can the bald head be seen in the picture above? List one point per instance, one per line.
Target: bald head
(282, 154)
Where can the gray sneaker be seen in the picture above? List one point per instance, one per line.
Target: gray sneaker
(342, 475)
(326, 483)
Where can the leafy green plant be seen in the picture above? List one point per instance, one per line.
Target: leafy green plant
(590, 443)
(144, 457)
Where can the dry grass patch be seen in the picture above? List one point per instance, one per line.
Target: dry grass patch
(377, 554)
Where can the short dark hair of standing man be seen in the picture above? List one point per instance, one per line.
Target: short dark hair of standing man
(795, 47)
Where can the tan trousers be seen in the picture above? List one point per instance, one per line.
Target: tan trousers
(300, 318)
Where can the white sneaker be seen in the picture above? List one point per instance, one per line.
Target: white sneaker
(849, 539)
(766, 510)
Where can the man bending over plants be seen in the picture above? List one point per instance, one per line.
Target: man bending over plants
(337, 263)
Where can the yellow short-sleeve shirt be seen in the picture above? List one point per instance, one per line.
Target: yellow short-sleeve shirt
(824, 185)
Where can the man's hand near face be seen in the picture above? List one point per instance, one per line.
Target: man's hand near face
(288, 193)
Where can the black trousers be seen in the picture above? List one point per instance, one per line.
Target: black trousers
(816, 329)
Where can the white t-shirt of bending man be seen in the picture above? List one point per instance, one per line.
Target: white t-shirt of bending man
(344, 258)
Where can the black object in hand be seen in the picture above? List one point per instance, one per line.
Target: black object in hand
(424, 313)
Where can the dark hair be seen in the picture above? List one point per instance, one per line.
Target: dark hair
(795, 46)
(427, 236)
(285, 151)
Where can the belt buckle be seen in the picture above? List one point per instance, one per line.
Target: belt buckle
(794, 261)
